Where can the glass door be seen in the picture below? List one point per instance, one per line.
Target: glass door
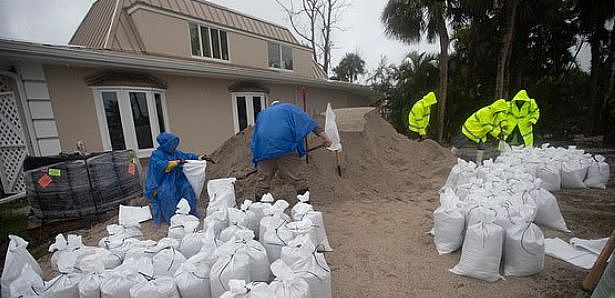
(246, 107)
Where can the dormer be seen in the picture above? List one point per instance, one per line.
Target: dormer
(195, 30)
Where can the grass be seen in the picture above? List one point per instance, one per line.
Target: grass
(14, 220)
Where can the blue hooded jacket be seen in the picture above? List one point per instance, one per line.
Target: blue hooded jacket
(172, 186)
(280, 129)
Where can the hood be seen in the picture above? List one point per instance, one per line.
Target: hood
(521, 95)
(430, 99)
(168, 142)
(500, 105)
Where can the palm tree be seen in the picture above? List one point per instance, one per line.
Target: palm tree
(350, 67)
(413, 20)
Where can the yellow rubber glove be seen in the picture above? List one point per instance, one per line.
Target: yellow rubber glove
(172, 164)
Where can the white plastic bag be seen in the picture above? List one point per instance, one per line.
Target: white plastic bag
(239, 289)
(274, 217)
(277, 237)
(287, 284)
(550, 176)
(598, 173)
(449, 222)
(65, 285)
(17, 256)
(221, 194)
(27, 284)
(482, 251)
(161, 287)
(305, 262)
(192, 277)
(118, 282)
(191, 243)
(252, 220)
(237, 223)
(303, 210)
(548, 213)
(65, 253)
(182, 223)
(167, 261)
(573, 174)
(331, 129)
(259, 211)
(117, 234)
(194, 170)
(89, 285)
(217, 220)
(524, 250)
(133, 215)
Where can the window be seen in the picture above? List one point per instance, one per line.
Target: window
(130, 118)
(209, 43)
(280, 56)
(246, 106)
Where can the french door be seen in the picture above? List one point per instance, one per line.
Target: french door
(246, 107)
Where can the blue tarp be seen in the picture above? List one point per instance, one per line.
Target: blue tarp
(280, 129)
(169, 187)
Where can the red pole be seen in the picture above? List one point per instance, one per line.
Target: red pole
(304, 97)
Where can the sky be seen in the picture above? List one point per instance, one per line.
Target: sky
(54, 22)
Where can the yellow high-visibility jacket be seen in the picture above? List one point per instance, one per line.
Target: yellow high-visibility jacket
(418, 118)
(525, 118)
(490, 119)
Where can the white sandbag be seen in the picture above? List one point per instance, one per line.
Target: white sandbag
(89, 285)
(192, 243)
(17, 256)
(301, 257)
(239, 289)
(217, 220)
(274, 217)
(524, 250)
(133, 215)
(319, 233)
(182, 223)
(221, 194)
(117, 234)
(560, 249)
(167, 261)
(548, 213)
(118, 282)
(27, 284)
(194, 170)
(481, 252)
(550, 176)
(65, 285)
(593, 245)
(65, 253)
(237, 223)
(449, 222)
(331, 129)
(259, 211)
(277, 237)
(242, 259)
(287, 284)
(252, 220)
(573, 174)
(161, 287)
(136, 249)
(192, 277)
(598, 173)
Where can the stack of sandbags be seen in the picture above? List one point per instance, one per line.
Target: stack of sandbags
(182, 223)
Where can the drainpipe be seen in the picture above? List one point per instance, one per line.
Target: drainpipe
(304, 97)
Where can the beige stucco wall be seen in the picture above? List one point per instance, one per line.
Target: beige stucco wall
(73, 107)
(170, 36)
(199, 109)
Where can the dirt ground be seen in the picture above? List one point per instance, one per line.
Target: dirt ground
(378, 213)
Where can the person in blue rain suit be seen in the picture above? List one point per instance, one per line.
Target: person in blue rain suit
(166, 183)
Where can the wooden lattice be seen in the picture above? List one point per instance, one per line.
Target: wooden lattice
(12, 143)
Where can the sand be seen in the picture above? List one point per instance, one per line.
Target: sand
(378, 213)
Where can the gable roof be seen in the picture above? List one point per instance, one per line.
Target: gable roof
(108, 22)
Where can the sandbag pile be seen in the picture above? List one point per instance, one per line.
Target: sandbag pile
(493, 211)
(221, 258)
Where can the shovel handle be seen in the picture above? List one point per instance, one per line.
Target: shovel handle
(590, 281)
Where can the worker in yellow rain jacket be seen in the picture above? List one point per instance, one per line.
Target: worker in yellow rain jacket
(522, 117)
(491, 119)
(418, 118)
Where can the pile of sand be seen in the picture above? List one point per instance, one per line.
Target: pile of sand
(374, 157)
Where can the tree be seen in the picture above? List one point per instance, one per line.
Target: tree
(410, 21)
(502, 78)
(349, 68)
(315, 21)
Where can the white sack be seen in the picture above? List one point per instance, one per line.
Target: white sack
(132, 215)
(287, 284)
(277, 237)
(64, 285)
(221, 194)
(573, 174)
(305, 262)
(303, 210)
(193, 242)
(550, 176)
(89, 285)
(562, 250)
(239, 289)
(482, 251)
(117, 234)
(17, 256)
(259, 211)
(252, 220)
(548, 213)
(524, 250)
(27, 284)
(192, 277)
(194, 170)
(274, 217)
(118, 282)
(331, 129)
(593, 245)
(449, 222)
(217, 220)
(167, 261)
(598, 173)
(237, 223)
(182, 223)
(162, 287)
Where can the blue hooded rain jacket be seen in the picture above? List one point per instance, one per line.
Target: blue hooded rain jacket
(164, 190)
(280, 129)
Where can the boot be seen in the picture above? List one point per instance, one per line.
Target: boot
(479, 156)
(454, 150)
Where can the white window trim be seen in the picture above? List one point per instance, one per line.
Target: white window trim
(249, 107)
(128, 129)
(292, 53)
(203, 57)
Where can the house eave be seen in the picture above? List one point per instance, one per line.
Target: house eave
(84, 57)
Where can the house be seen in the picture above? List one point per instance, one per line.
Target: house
(135, 68)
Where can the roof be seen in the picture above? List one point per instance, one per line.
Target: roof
(106, 17)
(54, 54)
